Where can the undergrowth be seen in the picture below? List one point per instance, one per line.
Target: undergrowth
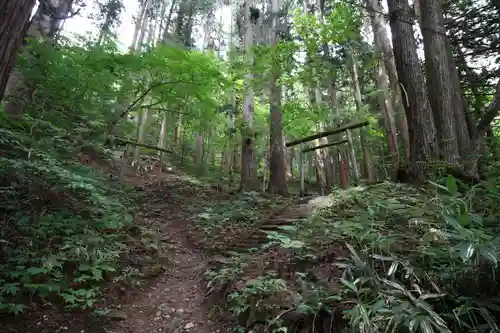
(228, 221)
(61, 234)
(383, 258)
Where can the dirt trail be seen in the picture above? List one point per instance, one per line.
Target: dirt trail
(172, 299)
(175, 301)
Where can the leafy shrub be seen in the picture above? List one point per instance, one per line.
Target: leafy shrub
(60, 235)
(392, 258)
(418, 264)
(230, 221)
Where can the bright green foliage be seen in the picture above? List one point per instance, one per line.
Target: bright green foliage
(387, 256)
(64, 222)
(53, 239)
(416, 264)
(391, 256)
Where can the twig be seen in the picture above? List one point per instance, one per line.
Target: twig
(278, 317)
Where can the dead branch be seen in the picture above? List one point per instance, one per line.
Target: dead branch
(125, 141)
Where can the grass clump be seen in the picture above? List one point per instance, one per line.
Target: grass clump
(421, 262)
(382, 258)
(63, 222)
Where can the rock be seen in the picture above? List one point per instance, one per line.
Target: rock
(173, 325)
(158, 314)
(163, 306)
(116, 315)
(180, 310)
(152, 271)
(189, 326)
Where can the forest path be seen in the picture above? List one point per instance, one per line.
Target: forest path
(169, 294)
(174, 300)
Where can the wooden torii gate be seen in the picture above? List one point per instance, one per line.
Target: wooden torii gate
(344, 128)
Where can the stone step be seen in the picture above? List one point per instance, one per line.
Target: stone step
(281, 220)
(278, 226)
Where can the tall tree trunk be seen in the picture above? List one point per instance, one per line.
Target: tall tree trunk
(184, 22)
(14, 22)
(482, 128)
(249, 179)
(162, 140)
(320, 159)
(167, 23)
(440, 86)
(277, 171)
(383, 46)
(367, 160)
(334, 151)
(144, 117)
(323, 155)
(139, 24)
(382, 84)
(177, 130)
(290, 157)
(148, 6)
(198, 149)
(422, 131)
(48, 19)
(112, 9)
(134, 48)
(44, 26)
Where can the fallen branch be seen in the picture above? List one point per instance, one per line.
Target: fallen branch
(333, 131)
(125, 141)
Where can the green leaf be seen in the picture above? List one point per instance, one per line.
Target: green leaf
(466, 250)
(36, 270)
(452, 222)
(451, 185)
(349, 285)
(392, 269)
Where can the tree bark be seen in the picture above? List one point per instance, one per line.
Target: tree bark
(482, 127)
(367, 161)
(167, 23)
(421, 127)
(162, 140)
(277, 169)
(496, 4)
(441, 87)
(249, 179)
(14, 22)
(382, 83)
(144, 117)
(383, 46)
(44, 26)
